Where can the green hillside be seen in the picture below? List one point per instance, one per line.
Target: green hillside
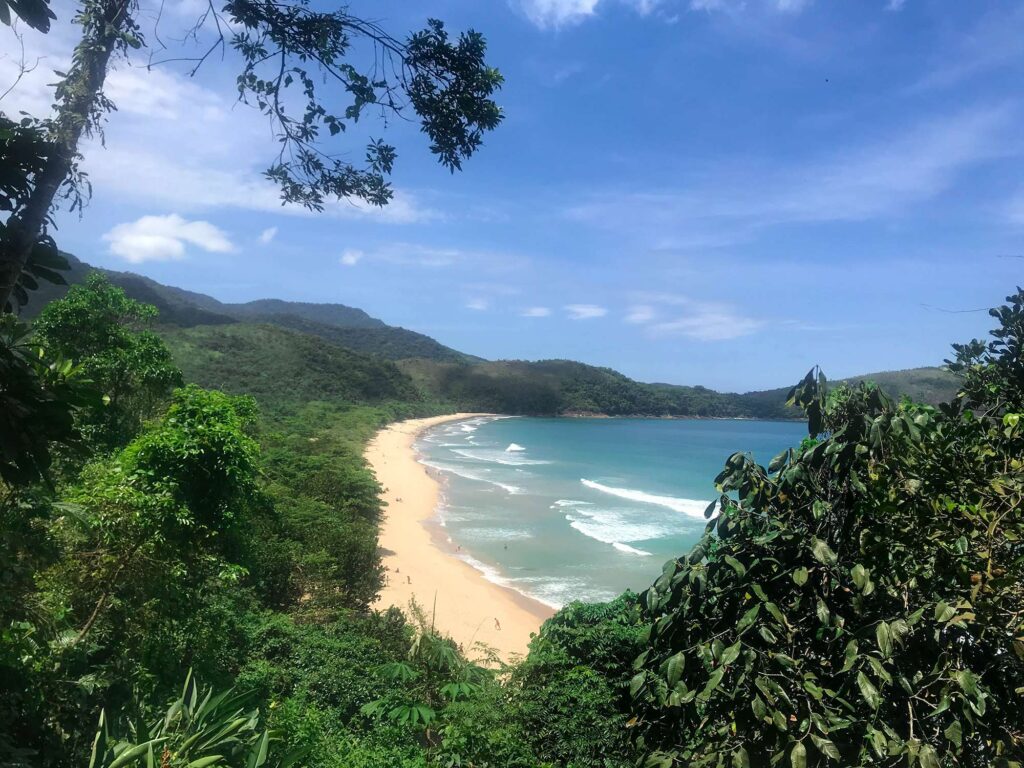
(432, 371)
(345, 326)
(386, 341)
(278, 366)
(564, 387)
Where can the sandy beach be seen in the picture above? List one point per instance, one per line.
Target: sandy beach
(422, 565)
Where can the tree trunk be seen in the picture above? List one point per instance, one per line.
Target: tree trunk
(75, 112)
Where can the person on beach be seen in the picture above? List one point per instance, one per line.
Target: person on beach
(408, 579)
(497, 624)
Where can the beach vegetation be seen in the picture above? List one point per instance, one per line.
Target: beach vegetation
(857, 602)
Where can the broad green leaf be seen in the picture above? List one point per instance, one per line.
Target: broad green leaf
(798, 756)
(826, 747)
(954, 732)
(823, 552)
(868, 691)
(730, 654)
(884, 638)
(748, 618)
(674, 668)
(927, 757)
(849, 656)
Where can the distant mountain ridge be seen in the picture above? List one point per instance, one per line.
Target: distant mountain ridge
(345, 326)
(336, 352)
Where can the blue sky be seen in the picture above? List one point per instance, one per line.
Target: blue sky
(691, 191)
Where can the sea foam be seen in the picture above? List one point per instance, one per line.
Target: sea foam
(512, 489)
(496, 457)
(689, 507)
(611, 527)
(630, 550)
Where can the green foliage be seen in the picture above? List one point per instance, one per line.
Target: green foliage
(859, 602)
(569, 696)
(199, 728)
(98, 326)
(35, 13)
(24, 151)
(432, 676)
(290, 51)
(39, 396)
(280, 367)
(564, 387)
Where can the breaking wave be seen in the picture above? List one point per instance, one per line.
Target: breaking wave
(689, 507)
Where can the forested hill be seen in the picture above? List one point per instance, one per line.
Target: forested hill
(273, 348)
(566, 387)
(345, 326)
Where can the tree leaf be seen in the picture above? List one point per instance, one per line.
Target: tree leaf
(868, 691)
(798, 755)
(823, 552)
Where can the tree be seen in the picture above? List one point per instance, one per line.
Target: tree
(860, 601)
(39, 398)
(35, 13)
(98, 326)
(290, 54)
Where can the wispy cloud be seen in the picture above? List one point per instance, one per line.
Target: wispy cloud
(708, 323)
(268, 234)
(175, 143)
(640, 313)
(736, 6)
(585, 311)
(478, 304)
(668, 314)
(164, 238)
(993, 42)
(874, 181)
(536, 312)
(557, 13)
(351, 257)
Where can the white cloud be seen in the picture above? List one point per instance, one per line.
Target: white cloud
(708, 323)
(585, 311)
(640, 313)
(559, 13)
(164, 238)
(268, 234)
(536, 312)
(556, 13)
(478, 305)
(351, 257)
(699, 320)
(895, 5)
(173, 142)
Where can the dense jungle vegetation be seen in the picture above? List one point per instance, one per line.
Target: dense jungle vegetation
(189, 574)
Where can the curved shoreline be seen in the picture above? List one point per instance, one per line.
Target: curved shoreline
(420, 565)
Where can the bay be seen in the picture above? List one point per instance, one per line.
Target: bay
(583, 509)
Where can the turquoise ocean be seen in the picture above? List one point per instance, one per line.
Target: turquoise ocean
(582, 509)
